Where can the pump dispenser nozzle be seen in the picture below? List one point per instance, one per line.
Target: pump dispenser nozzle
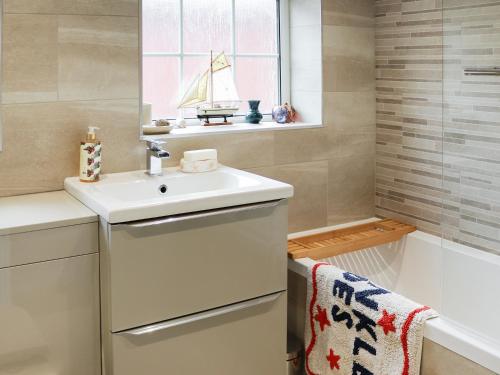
(91, 137)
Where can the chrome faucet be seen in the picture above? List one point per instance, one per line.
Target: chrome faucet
(155, 154)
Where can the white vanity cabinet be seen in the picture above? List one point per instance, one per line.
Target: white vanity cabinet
(49, 296)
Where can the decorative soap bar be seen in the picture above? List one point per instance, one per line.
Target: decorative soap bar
(197, 161)
(195, 155)
(198, 166)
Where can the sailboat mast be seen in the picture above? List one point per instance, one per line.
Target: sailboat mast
(211, 79)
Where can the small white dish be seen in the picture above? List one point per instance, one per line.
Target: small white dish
(155, 130)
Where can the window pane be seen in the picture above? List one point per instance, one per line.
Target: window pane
(256, 26)
(194, 65)
(207, 25)
(160, 25)
(257, 78)
(161, 85)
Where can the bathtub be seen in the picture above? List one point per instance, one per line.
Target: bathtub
(461, 283)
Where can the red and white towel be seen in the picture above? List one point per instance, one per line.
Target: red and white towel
(358, 328)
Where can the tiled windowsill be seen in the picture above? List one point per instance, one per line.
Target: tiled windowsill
(199, 131)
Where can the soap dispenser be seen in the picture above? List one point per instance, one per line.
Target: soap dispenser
(90, 157)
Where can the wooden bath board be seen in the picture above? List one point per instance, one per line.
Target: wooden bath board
(340, 241)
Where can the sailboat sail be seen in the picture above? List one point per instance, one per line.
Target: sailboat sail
(197, 92)
(220, 62)
(224, 89)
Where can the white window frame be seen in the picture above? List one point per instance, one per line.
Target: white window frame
(282, 55)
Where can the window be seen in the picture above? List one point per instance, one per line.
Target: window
(178, 35)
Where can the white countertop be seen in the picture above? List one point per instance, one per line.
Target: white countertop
(26, 213)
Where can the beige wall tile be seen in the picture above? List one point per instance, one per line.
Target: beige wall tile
(437, 360)
(89, 7)
(349, 13)
(29, 66)
(301, 146)
(350, 188)
(307, 208)
(96, 60)
(234, 150)
(98, 57)
(350, 111)
(351, 145)
(41, 142)
(348, 58)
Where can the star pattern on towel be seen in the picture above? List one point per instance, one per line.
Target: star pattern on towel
(333, 359)
(387, 322)
(322, 318)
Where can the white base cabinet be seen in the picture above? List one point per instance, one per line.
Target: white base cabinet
(49, 317)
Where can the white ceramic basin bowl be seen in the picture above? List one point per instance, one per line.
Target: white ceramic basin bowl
(131, 196)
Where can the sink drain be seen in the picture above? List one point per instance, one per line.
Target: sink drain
(163, 189)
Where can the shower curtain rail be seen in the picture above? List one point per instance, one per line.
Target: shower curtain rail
(495, 71)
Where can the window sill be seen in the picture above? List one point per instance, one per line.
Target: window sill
(199, 131)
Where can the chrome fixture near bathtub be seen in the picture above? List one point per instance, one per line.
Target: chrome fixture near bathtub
(155, 154)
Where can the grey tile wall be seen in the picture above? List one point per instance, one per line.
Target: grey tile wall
(471, 124)
(409, 112)
(438, 131)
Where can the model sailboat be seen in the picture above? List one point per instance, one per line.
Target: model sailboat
(213, 92)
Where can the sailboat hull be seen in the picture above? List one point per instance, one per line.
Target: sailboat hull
(217, 112)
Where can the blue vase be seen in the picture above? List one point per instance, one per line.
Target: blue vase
(253, 116)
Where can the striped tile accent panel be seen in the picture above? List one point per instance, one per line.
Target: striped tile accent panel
(438, 130)
(471, 123)
(409, 112)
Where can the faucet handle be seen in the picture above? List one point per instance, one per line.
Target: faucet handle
(155, 144)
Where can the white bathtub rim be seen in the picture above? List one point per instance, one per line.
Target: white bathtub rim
(471, 252)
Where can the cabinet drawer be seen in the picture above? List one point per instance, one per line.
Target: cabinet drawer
(49, 318)
(246, 341)
(48, 244)
(161, 269)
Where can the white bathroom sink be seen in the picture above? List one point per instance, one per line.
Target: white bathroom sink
(130, 196)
